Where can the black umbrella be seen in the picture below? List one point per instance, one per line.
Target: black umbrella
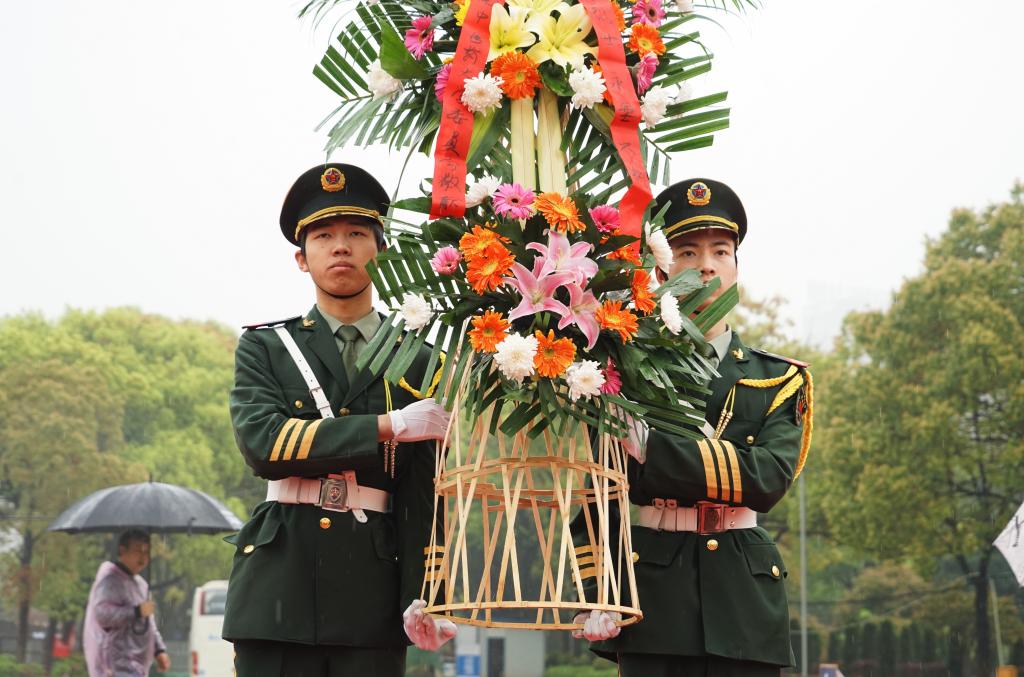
(150, 506)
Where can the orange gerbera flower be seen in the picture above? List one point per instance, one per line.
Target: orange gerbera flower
(611, 315)
(486, 271)
(475, 243)
(643, 299)
(488, 331)
(626, 253)
(560, 212)
(553, 355)
(620, 18)
(644, 39)
(519, 74)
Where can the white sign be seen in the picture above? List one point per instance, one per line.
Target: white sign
(1011, 544)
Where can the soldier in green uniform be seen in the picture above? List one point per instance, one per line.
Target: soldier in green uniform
(710, 581)
(325, 566)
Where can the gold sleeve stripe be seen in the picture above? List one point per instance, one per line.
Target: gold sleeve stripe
(293, 440)
(436, 562)
(583, 561)
(734, 465)
(307, 439)
(723, 471)
(589, 572)
(437, 548)
(769, 382)
(709, 468)
(584, 550)
(282, 436)
(787, 391)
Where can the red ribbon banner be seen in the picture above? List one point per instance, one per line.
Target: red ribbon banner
(625, 125)
(448, 197)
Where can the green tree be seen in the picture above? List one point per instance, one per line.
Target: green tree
(923, 446)
(98, 399)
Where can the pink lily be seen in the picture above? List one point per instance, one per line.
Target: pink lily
(537, 291)
(582, 311)
(560, 256)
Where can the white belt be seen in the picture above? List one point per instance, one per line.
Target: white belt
(704, 518)
(339, 493)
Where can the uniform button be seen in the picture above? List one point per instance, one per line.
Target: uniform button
(325, 522)
(249, 548)
(712, 545)
(636, 557)
(750, 439)
(344, 411)
(298, 404)
(775, 571)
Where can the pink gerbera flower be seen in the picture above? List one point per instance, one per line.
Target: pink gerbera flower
(446, 260)
(648, 12)
(442, 81)
(612, 379)
(606, 218)
(420, 38)
(513, 201)
(645, 71)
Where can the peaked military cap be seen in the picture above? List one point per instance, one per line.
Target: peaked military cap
(699, 204)
(332, 189)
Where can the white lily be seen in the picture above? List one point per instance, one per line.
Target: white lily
(536, 9)
(562, 40)
(509, 31)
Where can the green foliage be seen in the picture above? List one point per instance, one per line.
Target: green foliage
(920, 441)
(99, 399)
(606, 669)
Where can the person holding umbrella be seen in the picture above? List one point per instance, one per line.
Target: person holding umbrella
(325, 566)
(121, 638)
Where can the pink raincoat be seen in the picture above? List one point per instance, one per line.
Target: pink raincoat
(117, 642)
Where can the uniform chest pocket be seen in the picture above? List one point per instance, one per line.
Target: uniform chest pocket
(300, 403)
(255, 535)
(740, 429)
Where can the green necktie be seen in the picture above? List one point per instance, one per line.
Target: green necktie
(349, 335)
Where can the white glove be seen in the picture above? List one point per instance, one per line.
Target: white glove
(597, 625)
(421, 420)
(425, 631)
(635, 442)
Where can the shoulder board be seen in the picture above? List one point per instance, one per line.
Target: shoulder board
(788, 360)
(268, 325)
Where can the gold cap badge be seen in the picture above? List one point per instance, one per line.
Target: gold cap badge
(332, 180)
(698, 194)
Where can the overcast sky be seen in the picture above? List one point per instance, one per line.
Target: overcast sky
(146, 148)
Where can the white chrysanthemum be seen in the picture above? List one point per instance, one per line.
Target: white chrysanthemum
(481, 190)
(659, 246)
(587, 86)
(514, 356)
(482, 93)
(670, 313)
(685, 92)
(381, 83)
(585, 379)
(685, 6)
(655, 103)
(415, 311)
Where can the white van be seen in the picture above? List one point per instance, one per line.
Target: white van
(210, 656)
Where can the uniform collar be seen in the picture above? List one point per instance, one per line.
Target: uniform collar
(367, 324)
(721, 343)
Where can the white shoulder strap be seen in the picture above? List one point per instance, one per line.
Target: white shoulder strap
(307, 374)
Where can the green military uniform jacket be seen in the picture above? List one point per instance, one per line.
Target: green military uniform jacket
(722, 594)
(298, 578)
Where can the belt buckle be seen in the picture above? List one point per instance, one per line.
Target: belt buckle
(333, 495)
(710, 518)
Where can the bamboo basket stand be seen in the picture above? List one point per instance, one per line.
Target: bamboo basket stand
(502, 497)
